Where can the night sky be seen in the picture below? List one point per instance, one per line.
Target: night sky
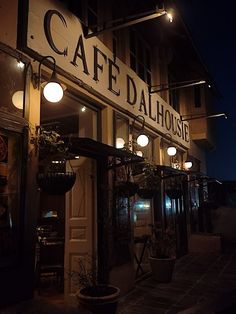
(213, 28)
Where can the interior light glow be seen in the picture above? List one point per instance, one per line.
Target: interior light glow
(20, 64)
(120, 142)
(83, 109)
(18, 99)
(139, 153)
(142, 140)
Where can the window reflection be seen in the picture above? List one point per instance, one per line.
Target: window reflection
(10, 173)
(70, 117)
(12, 84)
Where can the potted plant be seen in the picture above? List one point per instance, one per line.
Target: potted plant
(162, 246)
(92, 295)
(52, 177)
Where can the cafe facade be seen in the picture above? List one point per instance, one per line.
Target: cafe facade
(106, 98)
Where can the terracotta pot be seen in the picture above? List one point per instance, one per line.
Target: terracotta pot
(162, 268)
(99, 300)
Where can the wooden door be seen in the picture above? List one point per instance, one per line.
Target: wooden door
(80, 228)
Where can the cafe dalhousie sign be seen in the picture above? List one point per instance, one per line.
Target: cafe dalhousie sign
(53, 30)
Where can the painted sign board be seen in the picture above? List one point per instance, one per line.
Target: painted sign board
(53, 30)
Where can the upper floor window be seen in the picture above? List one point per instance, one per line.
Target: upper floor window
(197, 96)
(173, 93)
(140, 59)
(86, 10)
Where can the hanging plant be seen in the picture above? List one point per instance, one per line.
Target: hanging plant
(174, 188)
(124, 185)
(149, 181)
(52, 177)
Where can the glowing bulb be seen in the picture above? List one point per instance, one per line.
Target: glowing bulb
(18, 99)
(142, 140)
(83, 109)
(53, 91)
(120, 142)
(20, 64)
(188, 164)
(171, 151)
(170, 17)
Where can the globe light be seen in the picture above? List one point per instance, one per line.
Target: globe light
(120, 142)
(188, 164)
(142, 140)
(53, 91)
(171, 151)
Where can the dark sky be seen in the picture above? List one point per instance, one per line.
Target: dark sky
(213, 28)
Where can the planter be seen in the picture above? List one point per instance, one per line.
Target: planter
(56, 183)
(100, 299)
(174, 193)
(146, 193)
(126, 189)
(162, 268)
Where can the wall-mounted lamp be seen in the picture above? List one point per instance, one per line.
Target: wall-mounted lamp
(142, 139)
(176, 85)
(53, 90)
(126, 21)
(188, 163)
(201, 116)
(171, 149)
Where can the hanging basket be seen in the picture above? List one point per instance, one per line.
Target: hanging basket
(146, 193)
(126, 189)
(174, 193)
(56, 183)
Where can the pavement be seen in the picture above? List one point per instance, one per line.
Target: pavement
(201, 284)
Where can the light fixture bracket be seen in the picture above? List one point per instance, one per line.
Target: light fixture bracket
(124, 22)
(174, 85)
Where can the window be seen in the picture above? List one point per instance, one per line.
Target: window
(121, 131)
(12, 77)
(86, 11)
(140, 60)
(173, 93)
(71, 116)
(197, 96)
(10, 196)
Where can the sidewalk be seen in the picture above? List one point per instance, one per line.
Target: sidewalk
(202, 284)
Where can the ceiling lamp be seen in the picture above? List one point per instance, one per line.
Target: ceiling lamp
(53, 90)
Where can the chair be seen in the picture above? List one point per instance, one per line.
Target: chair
(50, 263)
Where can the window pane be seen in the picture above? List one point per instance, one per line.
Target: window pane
(10, 175)
(12, 85)
(133, 62)
(70, 117)
(141, 71)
